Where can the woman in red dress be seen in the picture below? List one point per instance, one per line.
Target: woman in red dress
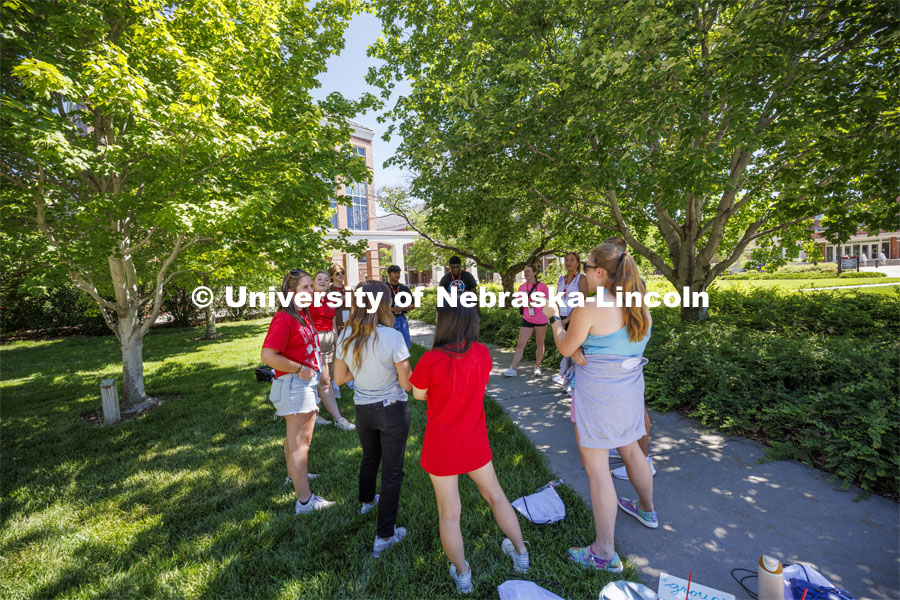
(452, 378)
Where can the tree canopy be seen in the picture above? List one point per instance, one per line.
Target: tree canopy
(133, 131)
(715, 124)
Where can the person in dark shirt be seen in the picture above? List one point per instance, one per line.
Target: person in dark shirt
(461, 280)
(400, 322)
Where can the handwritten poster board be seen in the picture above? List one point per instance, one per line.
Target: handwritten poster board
(675, 588)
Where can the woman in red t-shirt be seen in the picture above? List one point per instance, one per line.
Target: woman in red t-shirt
(323, 320)
(452, 378)
(291, 348)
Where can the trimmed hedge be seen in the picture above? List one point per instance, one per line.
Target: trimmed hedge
(814, 375)
(826, 275)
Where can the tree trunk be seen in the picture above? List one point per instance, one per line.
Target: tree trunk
(690, 314)
(210, 314)
(694, 314)
(210, 323)
(133, 368)
(509, 280)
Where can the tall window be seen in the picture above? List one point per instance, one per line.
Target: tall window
(334, 205)
(358, 213)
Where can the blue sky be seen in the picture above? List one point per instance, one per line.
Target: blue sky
(346, 74)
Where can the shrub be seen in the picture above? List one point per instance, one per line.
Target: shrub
(815, 398)
(819, 268)
(829, 275)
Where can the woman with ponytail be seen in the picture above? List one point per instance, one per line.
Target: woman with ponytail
(291, 348)
(608, 399)
(644, 442)
(374, 355)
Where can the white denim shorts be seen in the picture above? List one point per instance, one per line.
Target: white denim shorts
(291, 395)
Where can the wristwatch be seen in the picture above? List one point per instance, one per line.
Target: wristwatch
(300, 369)
(554, 319)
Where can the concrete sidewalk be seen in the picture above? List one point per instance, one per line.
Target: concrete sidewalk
(719, 508)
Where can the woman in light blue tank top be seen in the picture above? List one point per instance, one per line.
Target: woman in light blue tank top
(608, 403)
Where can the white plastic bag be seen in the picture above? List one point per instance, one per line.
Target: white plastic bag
(627, 590)
(542, 507)
(516, 589)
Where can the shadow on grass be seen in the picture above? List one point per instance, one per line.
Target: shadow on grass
(189, 500)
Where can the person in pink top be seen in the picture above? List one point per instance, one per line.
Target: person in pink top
(533, 320)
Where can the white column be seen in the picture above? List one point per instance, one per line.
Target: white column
(472, 268)
(399, 260)
(352, 274)
(437, 272)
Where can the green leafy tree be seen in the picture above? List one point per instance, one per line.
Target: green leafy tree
(132, 132)
(715, 123)
(497, 232)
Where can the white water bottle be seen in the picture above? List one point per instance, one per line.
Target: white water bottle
(771, 578)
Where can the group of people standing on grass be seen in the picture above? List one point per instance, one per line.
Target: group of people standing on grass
(604, 345)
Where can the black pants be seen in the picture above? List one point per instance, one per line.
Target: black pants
(382, 432)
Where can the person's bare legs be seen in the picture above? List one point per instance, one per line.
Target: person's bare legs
(644, 442)
(326, 393)
(299, 430)
(486, 480)
(446, 492)
(639, 474)
(524, 335)
(603, 497)
(540, 332)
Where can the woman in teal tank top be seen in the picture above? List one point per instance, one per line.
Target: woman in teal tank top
(608, 402)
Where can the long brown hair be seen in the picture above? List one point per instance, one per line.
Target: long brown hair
(363, 324)
(456, 329)
(290, 282)
(622, 272)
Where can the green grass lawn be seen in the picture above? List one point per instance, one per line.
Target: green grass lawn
(189, 500)
(808, 283)
(662, 286)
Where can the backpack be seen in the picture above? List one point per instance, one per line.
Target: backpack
(265, 374)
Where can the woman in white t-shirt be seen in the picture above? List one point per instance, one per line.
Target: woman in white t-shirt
(374, 355)
(569, 284)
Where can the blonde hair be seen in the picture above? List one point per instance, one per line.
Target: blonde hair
(622, 272)
(363, 324)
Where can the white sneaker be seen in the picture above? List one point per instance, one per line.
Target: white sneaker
(350, 384)
(337, 390)
(520, 561)
(622, 473)
(322, 421)
(510, 372)
(464, 581)
(558, 380)
(289, 481)
(314, 503)
(381, 545)
(367, 506)
(537, 371)
(344, 424)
